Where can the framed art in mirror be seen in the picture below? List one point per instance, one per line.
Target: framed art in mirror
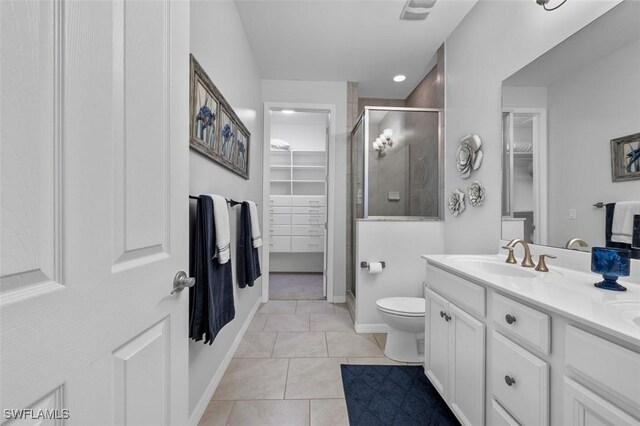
(215, 130)
(625, 158)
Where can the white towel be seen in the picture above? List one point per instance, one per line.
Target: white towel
(223, 232)
(256, 238)
(622, 227)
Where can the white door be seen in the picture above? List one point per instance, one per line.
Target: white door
(466, 357)
(437, 341)
(94, 225)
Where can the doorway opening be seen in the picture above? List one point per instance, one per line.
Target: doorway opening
(297, 196)
(524, 178)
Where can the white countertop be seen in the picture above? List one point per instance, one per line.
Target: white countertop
(567, 292)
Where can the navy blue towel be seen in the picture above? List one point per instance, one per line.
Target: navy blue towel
(211, 304)
(248, 261)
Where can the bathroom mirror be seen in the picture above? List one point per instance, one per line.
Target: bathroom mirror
(560, 114)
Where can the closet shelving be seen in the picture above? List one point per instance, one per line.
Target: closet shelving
(298, 201)
(298, 172)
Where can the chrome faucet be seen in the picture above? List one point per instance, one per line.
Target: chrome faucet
(579, 241)
(526, 262)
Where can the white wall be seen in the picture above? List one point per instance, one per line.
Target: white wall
(333, 93)
(301, 137)
(400, 244)
(586, 111)
(493, 41)
(219, 44)
(524, 97)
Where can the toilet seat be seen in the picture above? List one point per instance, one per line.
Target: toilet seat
(403, 306)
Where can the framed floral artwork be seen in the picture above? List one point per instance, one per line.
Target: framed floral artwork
(215, 131)
(625, 158)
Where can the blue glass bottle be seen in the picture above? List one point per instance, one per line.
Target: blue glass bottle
(611, 263)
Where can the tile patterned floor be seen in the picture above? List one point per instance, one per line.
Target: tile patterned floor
(286, 370)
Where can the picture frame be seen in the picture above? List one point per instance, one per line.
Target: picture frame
(215, 130)
(625, 158)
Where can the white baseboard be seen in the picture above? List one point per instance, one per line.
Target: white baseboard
(339, 299)
(198, 411)
(371, 328)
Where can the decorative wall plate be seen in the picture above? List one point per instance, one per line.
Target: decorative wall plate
(469, 155)
(475, 192)
(456, 202)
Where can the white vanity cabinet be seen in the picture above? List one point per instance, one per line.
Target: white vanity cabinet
(543, 367)
(454, 353)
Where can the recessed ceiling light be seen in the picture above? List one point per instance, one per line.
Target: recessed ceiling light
(398, 78)
(288, 111)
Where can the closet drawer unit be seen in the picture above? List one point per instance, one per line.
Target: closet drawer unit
(307, 244)
(307, 219)
(500, 417)
(280, 219)
(280, 210)
(280, 200)
(520, 382)
(308, 200)
(614, 368)
(307, 230)
(279, 229)
(308, 210)
(521, 321)
(280, 244)
(466, 294)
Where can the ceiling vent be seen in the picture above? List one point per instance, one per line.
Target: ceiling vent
(416, 10)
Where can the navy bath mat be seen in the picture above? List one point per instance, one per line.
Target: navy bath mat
(393, 395)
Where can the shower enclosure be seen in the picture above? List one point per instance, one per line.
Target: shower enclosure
(397, 163)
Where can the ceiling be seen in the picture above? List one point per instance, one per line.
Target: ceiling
(348, 40)
(612, 31)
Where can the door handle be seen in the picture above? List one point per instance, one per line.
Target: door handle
(182, 281)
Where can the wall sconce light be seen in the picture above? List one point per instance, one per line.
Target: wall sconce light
(382, 142)
(544, 3)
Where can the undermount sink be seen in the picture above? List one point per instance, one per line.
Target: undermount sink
(628, 310)
(496, 268)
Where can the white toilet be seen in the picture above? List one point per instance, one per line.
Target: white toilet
(405, 318)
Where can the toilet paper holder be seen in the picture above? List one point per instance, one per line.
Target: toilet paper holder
(364, 264)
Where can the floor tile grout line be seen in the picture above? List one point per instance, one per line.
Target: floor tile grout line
(286, 380)
(226, 422)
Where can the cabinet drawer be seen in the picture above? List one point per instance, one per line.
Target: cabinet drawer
(280, 200)
(464, 293)
(611, 366)
(279, 229)
(280, 219)
(522, 321)
(307, 230)
(500, 417)
(309, 209)
(307, 244)
(527, 398)
(280, 210)
(307, 219)
(280, 244)
(308, 200)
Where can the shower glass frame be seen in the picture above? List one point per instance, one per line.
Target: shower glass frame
(363, 120)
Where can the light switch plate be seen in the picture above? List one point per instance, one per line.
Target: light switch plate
(393, 195)
(572, 214)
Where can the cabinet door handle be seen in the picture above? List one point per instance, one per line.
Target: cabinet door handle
(509, 380)
(447, 317)
(442, 314)
(510, 319)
